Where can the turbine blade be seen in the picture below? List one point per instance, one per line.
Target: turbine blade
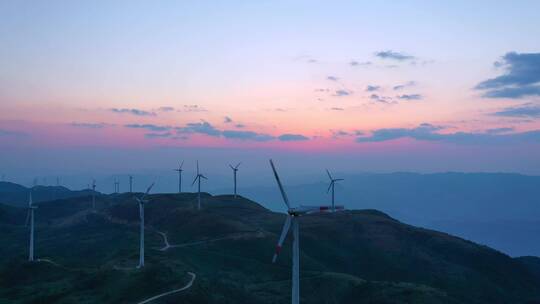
(284, 231)
(238, 165)
(231, 166)
(181, 165)
(194, 180)
(204, 176)
(339, 179)
(283, 194)
(330, 186)
(329, 176)
(147, 191)
(149, 188)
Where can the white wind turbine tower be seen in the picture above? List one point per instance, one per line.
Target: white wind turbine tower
(235, 170)
(116, 186)
(179, 170)
(30, 217)
(94, 194)
(292, 220)
(332, 186)
(198, 178)
(141, 202)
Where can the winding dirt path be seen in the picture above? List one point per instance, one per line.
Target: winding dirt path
(188, 285)
(165, 241)
(49, 261)
(167, 245)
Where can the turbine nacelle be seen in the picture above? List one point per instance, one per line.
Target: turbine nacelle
(180, 167)
(142, 199)
(235, 168)
(332, 181)
(292, 218)
(299, 211)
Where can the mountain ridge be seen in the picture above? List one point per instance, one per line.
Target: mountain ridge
(346, 255)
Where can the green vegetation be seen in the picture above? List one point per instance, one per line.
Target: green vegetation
(350, 257)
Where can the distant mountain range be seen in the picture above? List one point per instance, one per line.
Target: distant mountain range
(358, 256)
(16, 195)
(498, 209)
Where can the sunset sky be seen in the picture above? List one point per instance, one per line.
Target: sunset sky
(415, 85)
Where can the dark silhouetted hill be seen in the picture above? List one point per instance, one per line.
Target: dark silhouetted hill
(356, 256)
(17, 195)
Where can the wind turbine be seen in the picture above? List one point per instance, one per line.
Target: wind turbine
(179, 170)
(198, 178)
(293, 213)
(117, 186)
(94, 194)
(142, 201)
(332, 186)
(235, 170)
(131, 184)
(30, 217)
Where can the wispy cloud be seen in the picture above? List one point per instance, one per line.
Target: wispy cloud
(193, 108)
(136, 112)
(149, 127)
(342, 92)
(306, 58)
(524, 110)
(410, 97)
(9, 133)
(202, 127)
(372, 88)
(89, 125)
(292, 137)
(337, 109)
(521, 77)
(339, 133)
(363, 63)
(404, 85)
(158, 135)
(381, 99)
(208, 129)
(499, 130)
(429, 132)
(246, 135)
(227, 119)
(166, 109)
(332, 78)
(394, 55)
(424, 131)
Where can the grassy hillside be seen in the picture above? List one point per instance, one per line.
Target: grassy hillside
(17, 195)
(354, 256)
